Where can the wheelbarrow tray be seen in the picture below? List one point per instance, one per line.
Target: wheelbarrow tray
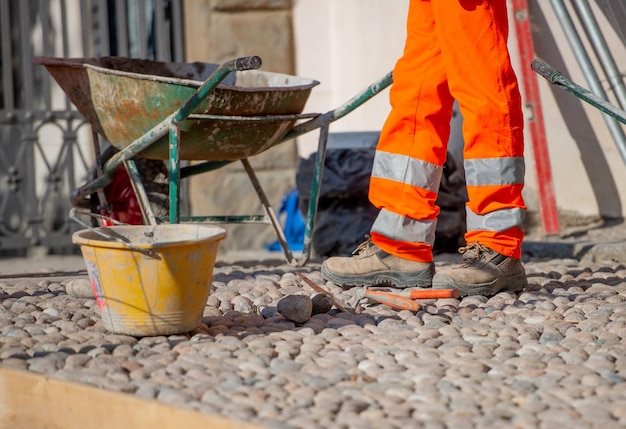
(124, 98)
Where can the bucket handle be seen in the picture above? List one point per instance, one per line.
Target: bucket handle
(73, 215)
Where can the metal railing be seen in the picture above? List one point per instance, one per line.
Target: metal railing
(45, 144)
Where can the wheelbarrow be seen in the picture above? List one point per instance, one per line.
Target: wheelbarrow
(210, 113)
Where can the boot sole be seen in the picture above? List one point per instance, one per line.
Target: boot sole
(398, 279)
(513, 283)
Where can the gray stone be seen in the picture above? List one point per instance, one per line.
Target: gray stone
(296, 308)
(79, 288)
(321, 304)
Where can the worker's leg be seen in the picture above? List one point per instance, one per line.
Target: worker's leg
(407, 167)
(473, 39)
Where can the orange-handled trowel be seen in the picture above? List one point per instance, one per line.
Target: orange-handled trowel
(403, 302)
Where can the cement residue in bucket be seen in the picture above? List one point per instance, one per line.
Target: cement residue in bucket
(151, 236)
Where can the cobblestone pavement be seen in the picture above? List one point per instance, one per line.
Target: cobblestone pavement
(553, 355)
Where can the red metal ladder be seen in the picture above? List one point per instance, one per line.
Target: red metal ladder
(534, 117)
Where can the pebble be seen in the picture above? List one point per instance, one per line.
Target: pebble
(271, 354)
(296, 308)
(321, 304)
(79, 288)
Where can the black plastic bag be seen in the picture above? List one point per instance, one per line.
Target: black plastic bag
(345, 214)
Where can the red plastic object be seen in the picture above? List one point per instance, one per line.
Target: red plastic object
(124, 203)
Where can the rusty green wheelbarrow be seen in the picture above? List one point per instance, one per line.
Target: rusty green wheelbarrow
(214, 114)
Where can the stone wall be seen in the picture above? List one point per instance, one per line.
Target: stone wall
(217, 31)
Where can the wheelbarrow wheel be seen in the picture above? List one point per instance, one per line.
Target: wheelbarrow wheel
(123, 203)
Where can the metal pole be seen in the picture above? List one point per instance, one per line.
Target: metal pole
(601, 49)
(177, 25)
(590, 74)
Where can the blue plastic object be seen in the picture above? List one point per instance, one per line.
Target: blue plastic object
(294, 225)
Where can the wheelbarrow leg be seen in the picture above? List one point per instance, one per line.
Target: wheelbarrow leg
(314, 197)
(174, 168)
(313, 203)
(280, 235)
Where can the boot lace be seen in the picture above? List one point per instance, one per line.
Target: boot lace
(474, 252)
(366, 248)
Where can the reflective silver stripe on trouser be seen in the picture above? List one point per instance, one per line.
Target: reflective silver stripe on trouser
(500, 220)
(412, 172)
(404, 169)
(401, 228)
(498, 172)
(494, 171)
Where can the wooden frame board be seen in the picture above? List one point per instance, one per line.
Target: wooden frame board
(31, 401)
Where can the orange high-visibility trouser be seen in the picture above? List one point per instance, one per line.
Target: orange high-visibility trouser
(455, 49)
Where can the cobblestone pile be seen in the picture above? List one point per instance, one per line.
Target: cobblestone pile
(551, 356)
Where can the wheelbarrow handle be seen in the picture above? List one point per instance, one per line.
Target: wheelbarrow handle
(544, 69)
(242, 63)
(556, 78)
(248, 63)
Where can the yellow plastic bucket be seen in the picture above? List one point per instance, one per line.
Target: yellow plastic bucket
(150, 280)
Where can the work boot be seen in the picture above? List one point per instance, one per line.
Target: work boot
(371, 266)
(482, 271)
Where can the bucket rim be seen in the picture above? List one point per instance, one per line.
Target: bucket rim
(216, 233)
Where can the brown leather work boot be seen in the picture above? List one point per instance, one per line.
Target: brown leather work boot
(482, 271)
(372, 266)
